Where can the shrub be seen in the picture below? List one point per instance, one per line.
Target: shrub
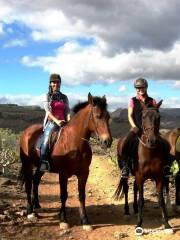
(9, 143)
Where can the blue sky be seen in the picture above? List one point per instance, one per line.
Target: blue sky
(96, 47)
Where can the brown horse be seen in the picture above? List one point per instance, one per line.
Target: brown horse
(173, 137)
(148, 163)
(71, 154)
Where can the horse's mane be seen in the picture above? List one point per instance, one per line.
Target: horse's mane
(98, 101)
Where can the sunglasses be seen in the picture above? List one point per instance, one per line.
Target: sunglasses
(55, 82)
(139, 88)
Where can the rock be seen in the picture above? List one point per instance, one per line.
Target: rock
(4, 181)
(21, 213)
(2, 217)
(65, 232)
(119, 235)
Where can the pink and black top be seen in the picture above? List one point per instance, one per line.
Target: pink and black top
(137, 108)
(58, 104)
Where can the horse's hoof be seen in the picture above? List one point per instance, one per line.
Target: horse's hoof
(168, 231)
(32, 217)
(64, 226)
(88, 228)
(139, 231)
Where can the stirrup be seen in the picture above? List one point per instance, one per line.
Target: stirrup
(45, 166)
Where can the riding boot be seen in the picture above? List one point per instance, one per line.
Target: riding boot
(44, 164)
(125, 168)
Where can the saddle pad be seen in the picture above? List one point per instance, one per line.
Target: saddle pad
(178, 144)
(54, 136)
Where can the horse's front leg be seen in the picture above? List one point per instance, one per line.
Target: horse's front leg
(159, 187)
(177, 185)
(138, 229)
(82, 179)
(36, 180)
(28, 187)
(63, 197)
(135, 204)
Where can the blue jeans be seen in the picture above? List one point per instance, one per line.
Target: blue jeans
(50, 126)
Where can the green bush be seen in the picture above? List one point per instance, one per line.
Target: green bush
(9, 147)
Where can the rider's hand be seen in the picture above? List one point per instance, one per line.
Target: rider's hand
(60, 122)
(135, 130)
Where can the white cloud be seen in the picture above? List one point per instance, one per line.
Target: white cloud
(122, 88)
(86, 65)
(109, 21)
(176, 84)
(1, 29)
(113, 101)
(22, 100)
(173, 102)
(15, 43)
(124, 46)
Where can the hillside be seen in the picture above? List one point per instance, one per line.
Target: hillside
(170, 118)
(18, 118)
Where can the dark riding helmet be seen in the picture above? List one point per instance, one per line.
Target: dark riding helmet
(141, 83)
(55, 78)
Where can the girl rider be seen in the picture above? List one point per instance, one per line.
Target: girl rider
(56, 105)
(135, 120)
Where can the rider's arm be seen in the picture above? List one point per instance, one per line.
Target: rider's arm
(130, 117)
(54, 119)
(67, 110)
(130, 113)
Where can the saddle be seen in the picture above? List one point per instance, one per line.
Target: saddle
(53, 137)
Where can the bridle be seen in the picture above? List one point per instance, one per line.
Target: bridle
(145, 134)
(90, 117)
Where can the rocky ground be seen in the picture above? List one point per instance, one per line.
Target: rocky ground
(105, 214)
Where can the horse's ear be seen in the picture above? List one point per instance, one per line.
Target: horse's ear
(104, 98)
(90, 99)
(159, 103)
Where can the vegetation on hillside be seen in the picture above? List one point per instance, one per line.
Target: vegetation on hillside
(9, 148)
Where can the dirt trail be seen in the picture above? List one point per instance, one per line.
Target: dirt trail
(104, 213)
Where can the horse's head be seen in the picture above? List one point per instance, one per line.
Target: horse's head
(99, 119)
(150, 124)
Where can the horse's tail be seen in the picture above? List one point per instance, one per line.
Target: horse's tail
(21, 175)
(119, 193)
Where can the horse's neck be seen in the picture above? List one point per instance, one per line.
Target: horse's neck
(79, 124)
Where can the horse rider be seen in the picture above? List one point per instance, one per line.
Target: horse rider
(57, 110)
(135, 120)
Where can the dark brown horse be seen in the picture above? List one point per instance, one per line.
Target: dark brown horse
(173, 137)
(71, 154)
(148, 163)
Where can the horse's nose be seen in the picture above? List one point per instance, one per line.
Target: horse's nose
(107, 142)
(152, 141)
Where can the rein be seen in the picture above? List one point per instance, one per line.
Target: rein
(143, 134)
